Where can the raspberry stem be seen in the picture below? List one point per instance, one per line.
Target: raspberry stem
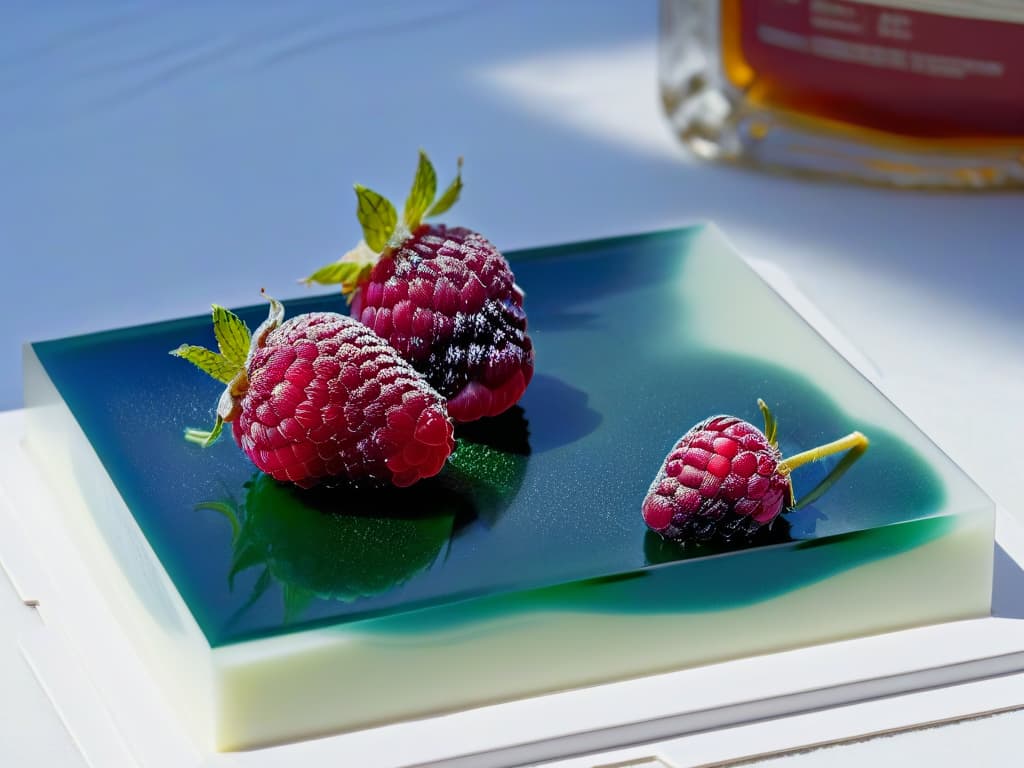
(205, 437)
(837, 471)
(854, 440)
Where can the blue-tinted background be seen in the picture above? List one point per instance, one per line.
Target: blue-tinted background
(152, 148)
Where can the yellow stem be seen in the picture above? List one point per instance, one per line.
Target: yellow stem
(852, 440)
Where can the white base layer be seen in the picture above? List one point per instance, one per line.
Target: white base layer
(111, 705)
(380, 671)
(374, 672)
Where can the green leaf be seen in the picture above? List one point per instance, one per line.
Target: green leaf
(350, 271)
(424, 187)
(217, 366)
(340, 272)
(259, 588)
(232, 334)
(245, 556)
(450, 196)
(349, 274)
(377, 215)
(771, 428)
(226, 508)
(296, 601)
(203, 437)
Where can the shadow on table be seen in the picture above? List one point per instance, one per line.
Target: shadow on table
(1007, 587)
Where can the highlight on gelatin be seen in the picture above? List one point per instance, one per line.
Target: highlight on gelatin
(725, 479)
(444, 297)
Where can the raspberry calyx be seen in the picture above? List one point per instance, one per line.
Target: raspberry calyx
(382, 231)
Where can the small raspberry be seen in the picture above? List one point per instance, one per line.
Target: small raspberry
(321, 396)
(444, 297)
(726, 479)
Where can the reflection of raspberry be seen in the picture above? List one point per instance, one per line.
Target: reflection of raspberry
(722, 478)
(447, 301)
(321, 396)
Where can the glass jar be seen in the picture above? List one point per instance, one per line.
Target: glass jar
(921, 93)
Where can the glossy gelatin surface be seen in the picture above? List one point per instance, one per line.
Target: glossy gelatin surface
(637, 339)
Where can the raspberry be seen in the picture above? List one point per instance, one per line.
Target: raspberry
(321, 396)
(444, 297)
(722, 479)
(726, 479)
(447, 301)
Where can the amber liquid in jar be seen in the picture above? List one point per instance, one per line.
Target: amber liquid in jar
(907, 93)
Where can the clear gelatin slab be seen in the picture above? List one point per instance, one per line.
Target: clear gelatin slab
(270, 614)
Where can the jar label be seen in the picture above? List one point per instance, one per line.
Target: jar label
(888, 65)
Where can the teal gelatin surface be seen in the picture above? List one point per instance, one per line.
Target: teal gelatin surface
(637, 339)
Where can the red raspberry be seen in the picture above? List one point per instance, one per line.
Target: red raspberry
(721, 478)
(446, 299)
(727, 479)
(321, 396)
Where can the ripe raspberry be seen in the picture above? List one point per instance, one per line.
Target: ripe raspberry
(321, 396)
(720, 478)
(726, 479)
(447, 301)
(444, 297)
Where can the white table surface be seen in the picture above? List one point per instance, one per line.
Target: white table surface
(156, 158)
